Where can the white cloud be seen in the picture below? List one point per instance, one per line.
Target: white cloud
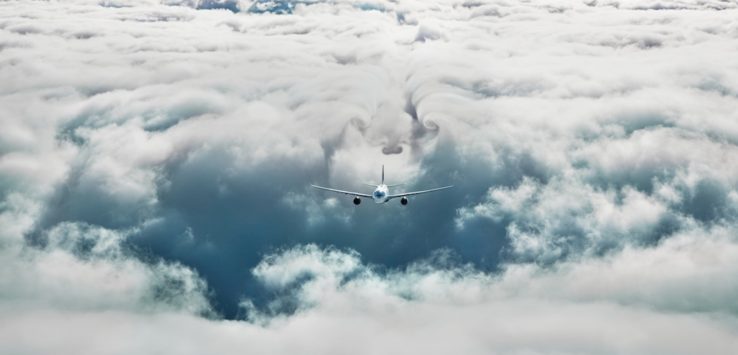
(603, 132)
(639, 302)
(87, 268)
(551, 221)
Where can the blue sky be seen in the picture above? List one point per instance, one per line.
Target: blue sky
(156, 160)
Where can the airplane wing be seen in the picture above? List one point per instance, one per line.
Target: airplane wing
(418, 192)
(342, 191)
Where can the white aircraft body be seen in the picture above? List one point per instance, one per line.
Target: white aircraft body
(381, 193)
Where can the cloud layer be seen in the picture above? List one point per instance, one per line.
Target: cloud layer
(435, 306)
(156, 156)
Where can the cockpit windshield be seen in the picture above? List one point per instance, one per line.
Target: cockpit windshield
(378, 193)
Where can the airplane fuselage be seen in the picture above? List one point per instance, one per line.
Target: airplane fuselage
(381, 194)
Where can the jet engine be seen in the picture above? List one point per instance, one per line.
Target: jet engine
(357, 200)
(404, 200)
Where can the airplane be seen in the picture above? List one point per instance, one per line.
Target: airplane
(381, 192)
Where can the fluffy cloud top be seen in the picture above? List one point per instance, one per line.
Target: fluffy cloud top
(156, 156)
(435, 306)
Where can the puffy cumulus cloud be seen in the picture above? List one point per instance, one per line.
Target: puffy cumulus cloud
(86, 268)
(659, 300)
(551, 221)
(154, 153)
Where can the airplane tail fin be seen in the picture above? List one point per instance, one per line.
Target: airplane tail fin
(382, 183)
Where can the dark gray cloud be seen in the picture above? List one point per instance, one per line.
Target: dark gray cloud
(163, 152)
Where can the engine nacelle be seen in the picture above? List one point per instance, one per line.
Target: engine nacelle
(404, 200)
(357, 200)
